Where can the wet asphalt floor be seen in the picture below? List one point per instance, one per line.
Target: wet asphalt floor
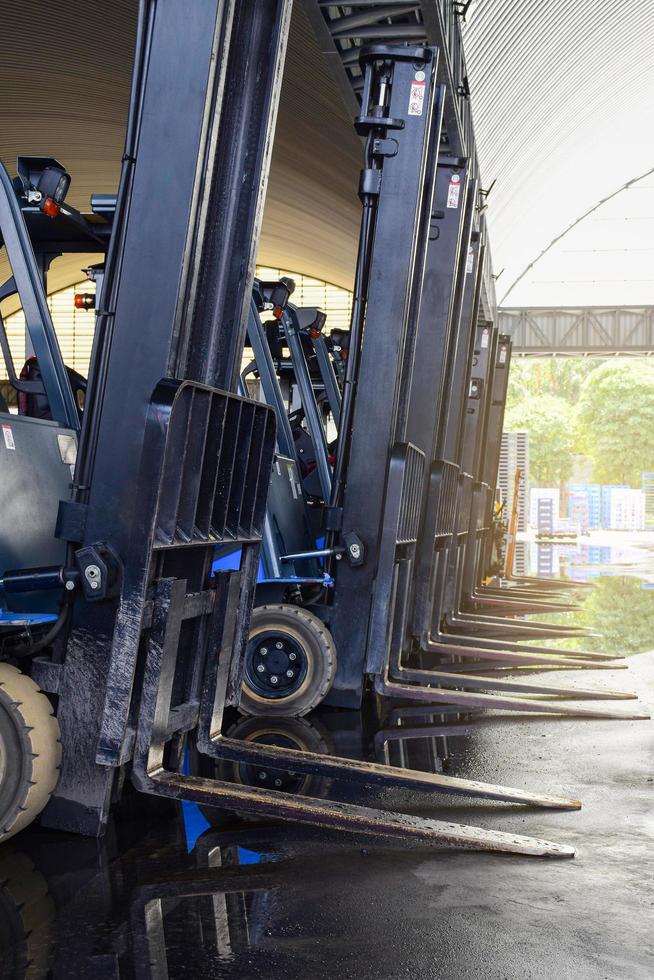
(164, 895)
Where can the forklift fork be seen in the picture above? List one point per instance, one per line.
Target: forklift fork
(432, 582)
(509, 660)
(207, 457)
(388, 635)
(157, 722)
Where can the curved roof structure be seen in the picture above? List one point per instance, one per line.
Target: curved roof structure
(54, 100)
(562, 104)
(564, 113)
(64, 91)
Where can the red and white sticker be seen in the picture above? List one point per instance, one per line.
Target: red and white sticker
(503, 353)
(470, 261)
(453, 191)
(417, 97)
(485, 336)
(9, 437)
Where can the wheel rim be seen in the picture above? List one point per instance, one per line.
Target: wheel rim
(276, 664)
(277, 779)
(12, 761)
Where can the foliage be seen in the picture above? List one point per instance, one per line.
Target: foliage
(560, 376)
(615, 421)
(549, 421)
(609, 419)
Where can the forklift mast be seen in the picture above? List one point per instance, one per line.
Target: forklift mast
(171, 326)
(374, 410)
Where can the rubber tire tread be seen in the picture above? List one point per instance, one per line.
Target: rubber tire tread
(40, 739)
(320, 647)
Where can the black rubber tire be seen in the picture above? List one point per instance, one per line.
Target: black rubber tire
(30, 750)
(291, 733)
(27, 913)
(318, 645)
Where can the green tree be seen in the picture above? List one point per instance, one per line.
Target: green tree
(560, 376)
(615, 421)
(549, 421)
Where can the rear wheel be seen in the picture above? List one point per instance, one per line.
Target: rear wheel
(30, 750)
(287, 733)
(290, 662)
(27, 911)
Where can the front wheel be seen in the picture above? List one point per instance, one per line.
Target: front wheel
(296, 734)
(290, 662)
(30, 750)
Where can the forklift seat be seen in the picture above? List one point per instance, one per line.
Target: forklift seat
(36, 406)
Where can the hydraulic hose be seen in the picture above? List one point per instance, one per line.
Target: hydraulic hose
(31, 649)
(357, 322)
(104, 323)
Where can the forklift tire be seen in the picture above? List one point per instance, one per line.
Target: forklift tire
(27, 914)
(30, 750)
(298, 734)
(290, 662)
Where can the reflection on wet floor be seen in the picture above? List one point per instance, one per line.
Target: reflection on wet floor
(602, 553)
(621, 606)
(175, 891)
(197, 888)
(178, 891)
(181, 890)
(132, 905)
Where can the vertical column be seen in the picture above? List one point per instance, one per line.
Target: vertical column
(384, 364)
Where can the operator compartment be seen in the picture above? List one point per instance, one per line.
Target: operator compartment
(41, 400)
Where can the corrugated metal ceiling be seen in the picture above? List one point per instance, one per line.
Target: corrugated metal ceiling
(561, 95)
(563, 103)
(64, 89)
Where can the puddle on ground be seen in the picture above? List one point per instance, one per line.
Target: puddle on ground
(621, 604)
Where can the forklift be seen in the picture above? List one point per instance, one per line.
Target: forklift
(412, 479)
(125, 498)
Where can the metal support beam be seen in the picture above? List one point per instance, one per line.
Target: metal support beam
(589, 331)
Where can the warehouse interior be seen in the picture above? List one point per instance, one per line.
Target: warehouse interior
(327, 523)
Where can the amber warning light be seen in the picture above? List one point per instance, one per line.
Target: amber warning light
(84, 301)
(50, 207)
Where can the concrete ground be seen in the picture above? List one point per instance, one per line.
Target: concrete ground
(278, 902)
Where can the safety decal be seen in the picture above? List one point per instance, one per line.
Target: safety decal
(417, 97)
(485, 336)
(9, 437)
(470, 261)
(453, 191)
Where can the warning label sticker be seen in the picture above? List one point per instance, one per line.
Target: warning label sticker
(417, 98)
(485, 337)
(470, 261)
(9, 437)
(453, 191)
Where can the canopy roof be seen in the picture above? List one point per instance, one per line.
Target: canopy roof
(563, 102)
(64, 93)
(563, 105)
